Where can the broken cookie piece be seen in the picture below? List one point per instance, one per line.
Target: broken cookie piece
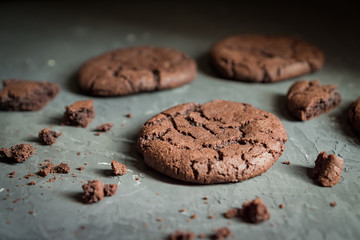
(93, 191)
(48, 136)
(62, 168)
(231, 213)
(354, 115)
(26, 95)
(254, 211)
(118, 168)
(222, 233)
(49, 168)
(104, 127)
(19, 153)
(180, 235)
(110, 190)
(328, 168)
(307, 100)
(79, 113)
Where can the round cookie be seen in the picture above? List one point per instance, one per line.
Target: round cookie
(265, 58)
(354, 115)
(217, 142)
(136, 69)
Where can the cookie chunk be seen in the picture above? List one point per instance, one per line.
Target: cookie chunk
(110, 190)
(47, 169)
(47, 136)
(328, 168)
(180, 235)
(354, 115)
(104, 127)
(307, 100)
(222, 233)
(93, 191)
(80, 113)
(118, 168)
(62, 168)
(26, 95)
(18, 153)
(265, 58)
(254, 211)
(136, 69)
(217, 142)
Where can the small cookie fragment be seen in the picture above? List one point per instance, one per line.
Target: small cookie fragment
(110, 190)
(254, 211)
(48, 136)
(93, 191)
(129, 115)
(181, 235)
(307, 100)
(32, 182)
(222, 233)
(354, 115)
(26, 95)
(328, 168)
(79, 114)
(286, 162)
(231, 213)
(62, 168)
(333, 204)
(104, 127)
(19, 152)
(49, 168)
(118, 168)
(12, 174)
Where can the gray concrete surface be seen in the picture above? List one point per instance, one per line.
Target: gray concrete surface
(49, 41)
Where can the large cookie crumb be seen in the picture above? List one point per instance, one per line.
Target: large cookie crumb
(47, 136)
(328, 168)
(19, 153)
(254, 211)
(118, 168)
(93, 191)
(79, 114)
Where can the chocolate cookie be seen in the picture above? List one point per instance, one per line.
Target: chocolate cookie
(265, 58)
(354, 115)
(80, 113)
(328, 169)
(25, 95)
(307, 100)
(216, 142)
(136, 69)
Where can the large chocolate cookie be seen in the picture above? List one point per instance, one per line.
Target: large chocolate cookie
(216, 142)
(136, 69)
(262, 58)
(354, 115)
(309, 99)
(25, 95)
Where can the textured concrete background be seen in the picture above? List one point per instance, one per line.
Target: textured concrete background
(49, 41)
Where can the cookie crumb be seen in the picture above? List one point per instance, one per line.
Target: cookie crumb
(32, 183)
(206, 198)
(29, 175)
(80, 113)
(118, 168)
(110, 190)
(78, 153)
(31, 212)
(63, 168)
(80, 168)
(12, 174)
(286, 162)
(129, 115)
(182, 210)
(333, 204)
(211, 216)
(104, 127)
(222, 233)
(282, 206)
(180, 235)
(18, 153)
(202, 235)
(231, 213)
(254, 211)
(48, 136)
(328, 169)
(93, 191)
(159, 219)
(49, 168)
(51, 180)
(194, 216)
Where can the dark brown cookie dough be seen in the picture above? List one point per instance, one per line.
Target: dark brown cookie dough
(254, 211)
(216, 142)
(18, 153)
(26, 95)
(80, 113)
(354, 115)
(93, 191)
(48, 136)
(265, 58)
(307, 100)
(136, 69)
(328, 168)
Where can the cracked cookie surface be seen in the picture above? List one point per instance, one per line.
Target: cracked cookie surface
(217, 142)
(265, 58)
(309, 99)
(136, 69)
